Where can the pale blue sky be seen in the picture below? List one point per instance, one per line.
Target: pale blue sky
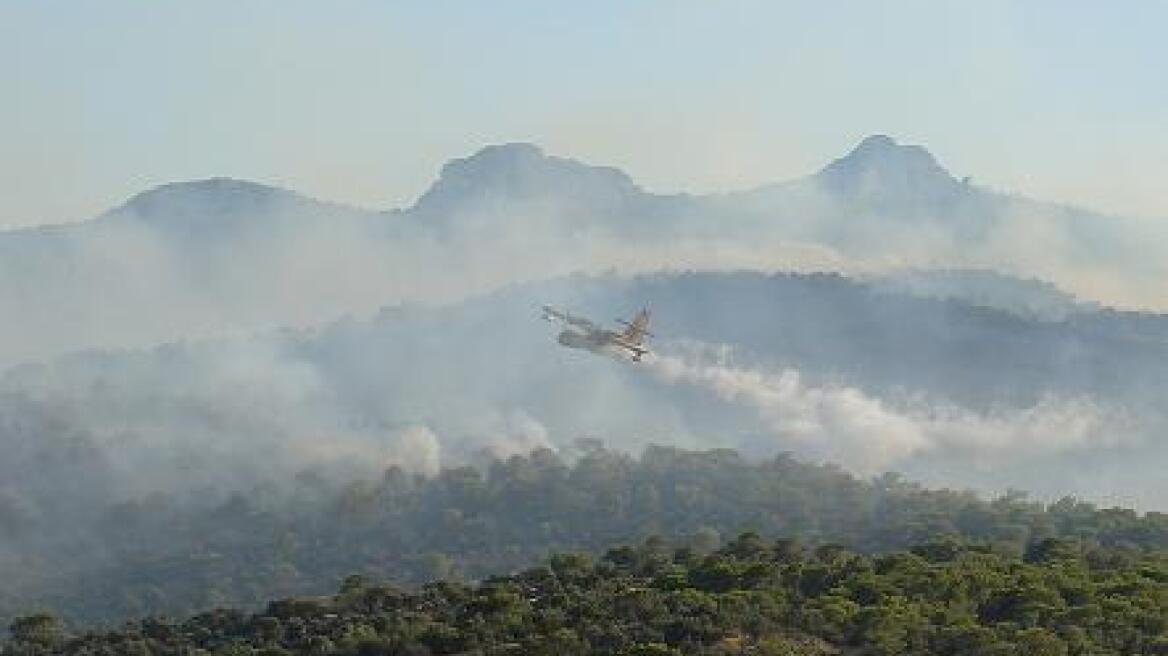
(362, 102)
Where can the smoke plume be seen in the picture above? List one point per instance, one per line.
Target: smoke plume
(840, 423)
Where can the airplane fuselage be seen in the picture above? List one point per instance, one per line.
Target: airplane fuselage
(591, 341)
(599, 341)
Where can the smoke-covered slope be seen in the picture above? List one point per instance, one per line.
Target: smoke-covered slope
(820, 365)
(183, 260)
(221, 256)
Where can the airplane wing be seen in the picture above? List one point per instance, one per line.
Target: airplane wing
(552, 314)
(632, 338)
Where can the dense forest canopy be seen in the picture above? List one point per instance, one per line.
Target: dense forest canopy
(176, 556)
(753, 596)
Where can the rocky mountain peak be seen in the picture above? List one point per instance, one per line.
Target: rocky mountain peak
(519, 171)
(879, 166)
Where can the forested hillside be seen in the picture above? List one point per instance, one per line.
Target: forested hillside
(753, 596)
(174, 556)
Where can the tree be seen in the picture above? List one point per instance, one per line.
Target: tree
(43, 629)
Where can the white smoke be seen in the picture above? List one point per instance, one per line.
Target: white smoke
(846, 425)
(518, 433)
(417, 448)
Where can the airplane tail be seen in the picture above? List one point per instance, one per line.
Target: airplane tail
(636, 330)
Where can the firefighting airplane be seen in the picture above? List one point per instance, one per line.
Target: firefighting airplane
(583, 334)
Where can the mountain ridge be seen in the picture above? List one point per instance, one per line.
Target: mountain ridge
(519, 166)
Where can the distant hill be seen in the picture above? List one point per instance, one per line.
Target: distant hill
(1035, 299)
(219, 256)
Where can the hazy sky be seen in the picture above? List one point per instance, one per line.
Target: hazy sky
(363, 101)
